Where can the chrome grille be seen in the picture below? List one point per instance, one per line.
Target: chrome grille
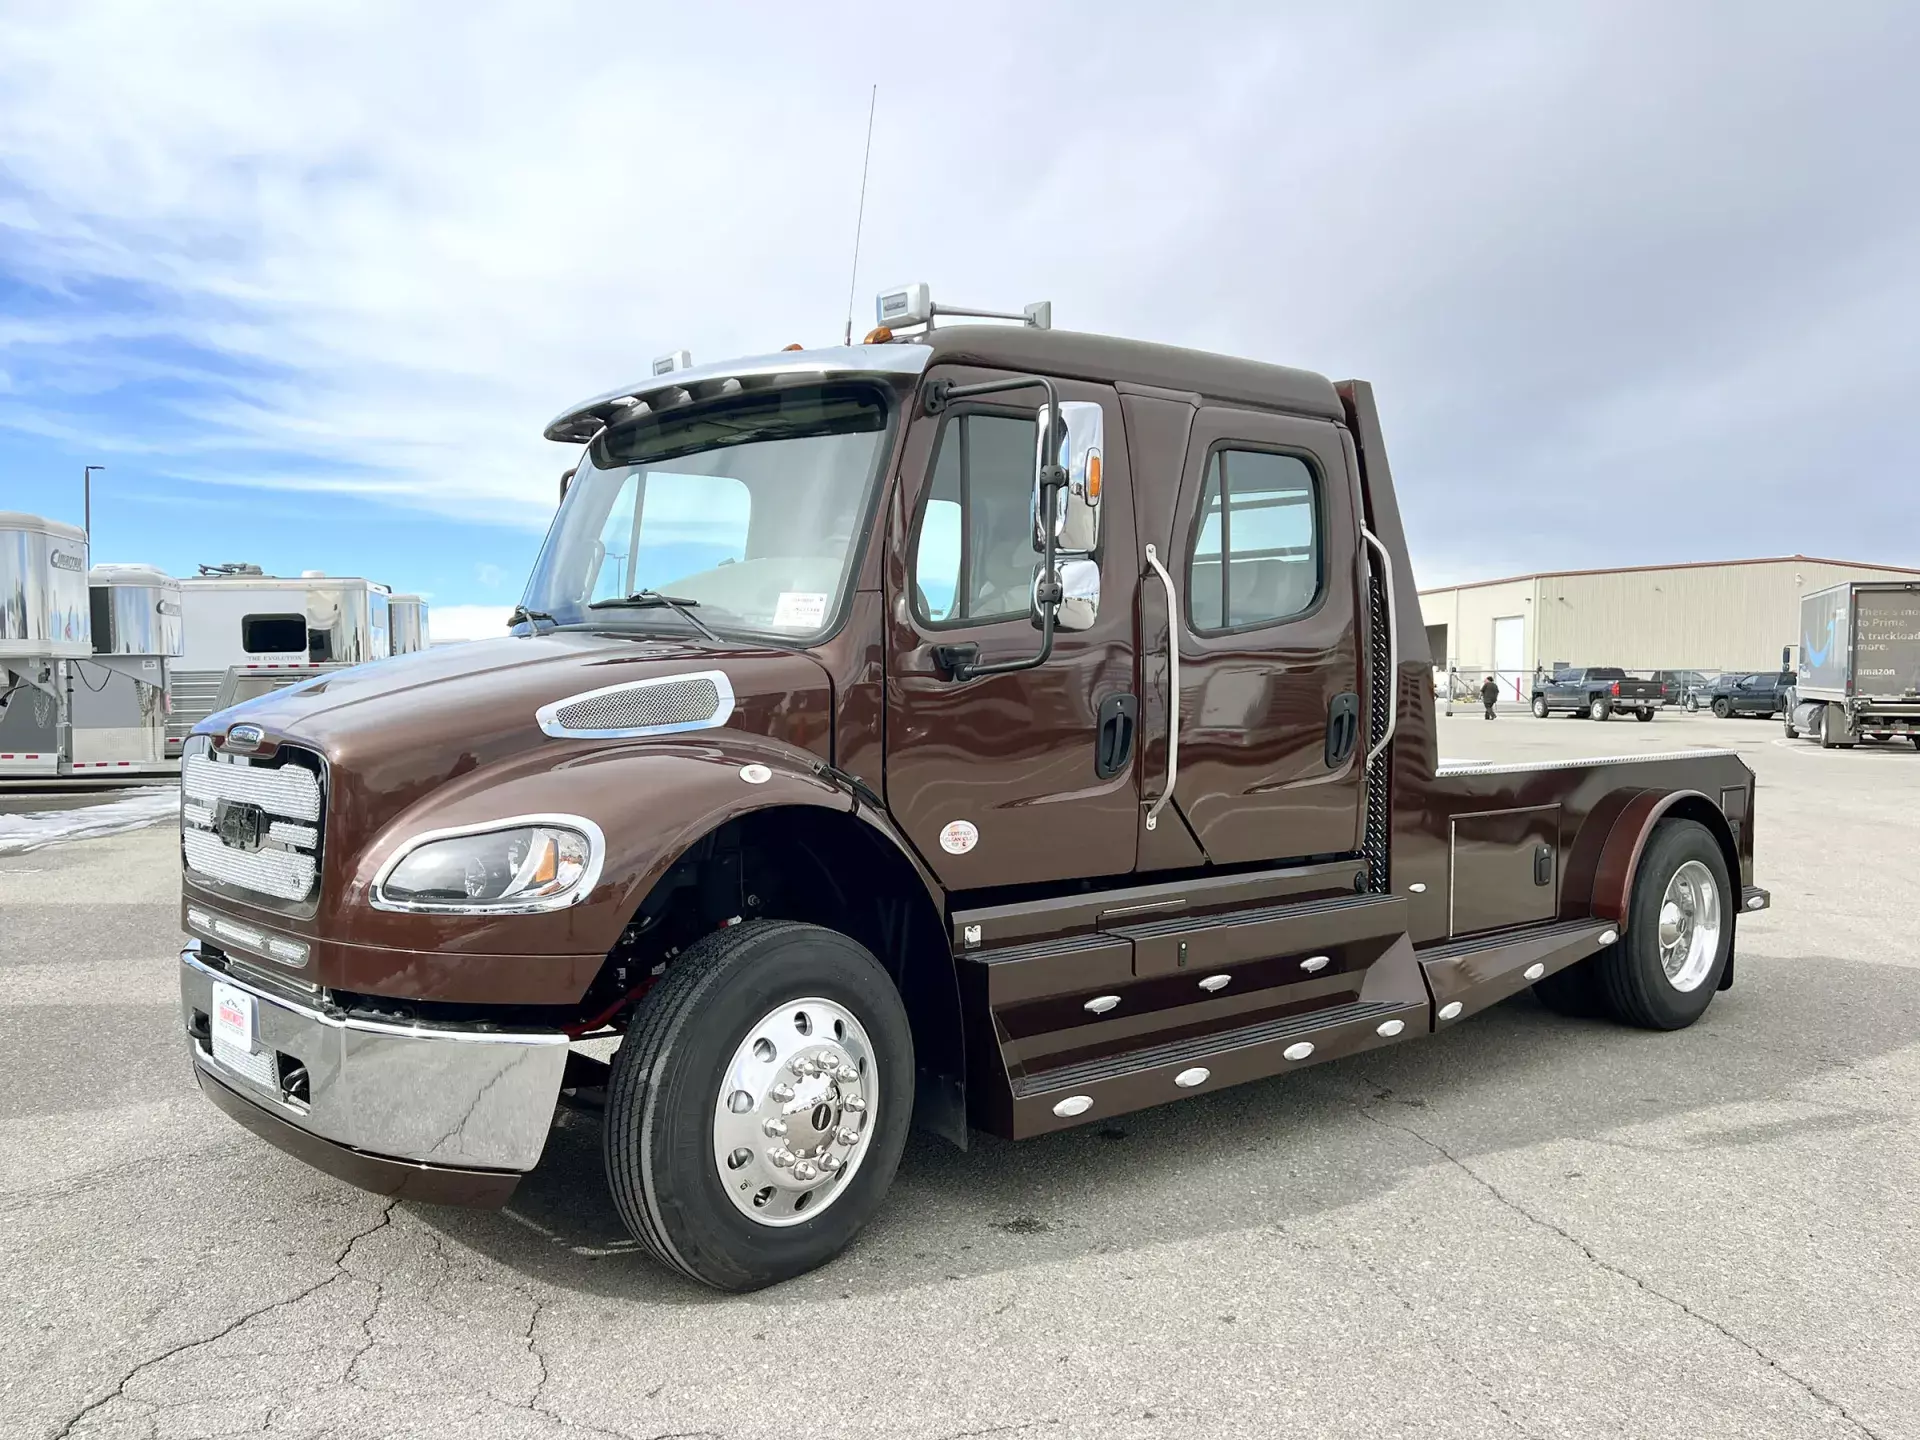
(664, 706)
(285, 863)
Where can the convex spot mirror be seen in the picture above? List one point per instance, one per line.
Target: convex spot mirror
(1078, 605)
(1081, 450)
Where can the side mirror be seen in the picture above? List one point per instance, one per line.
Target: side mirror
(1075, 594)
(1079, 448)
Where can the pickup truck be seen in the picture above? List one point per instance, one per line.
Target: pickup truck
(983, 726)
(1597, 692)
(1754, 693)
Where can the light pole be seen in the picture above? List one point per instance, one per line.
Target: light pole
(86, 491)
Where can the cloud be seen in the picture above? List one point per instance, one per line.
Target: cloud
(467, 622)
(1634, 281)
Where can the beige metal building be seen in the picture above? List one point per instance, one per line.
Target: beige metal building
(1717, 615)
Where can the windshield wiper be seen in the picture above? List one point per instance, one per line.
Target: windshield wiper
(654, 600)
(523, 616)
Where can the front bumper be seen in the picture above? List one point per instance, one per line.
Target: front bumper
(449, 1097)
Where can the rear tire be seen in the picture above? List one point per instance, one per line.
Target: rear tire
(1662, 973)
(680, 1066)
(1643, 716)
(1599, 709)
(1787, 720)
(1539, 707)
(1722, 708)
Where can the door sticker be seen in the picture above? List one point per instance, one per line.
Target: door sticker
(957, 837)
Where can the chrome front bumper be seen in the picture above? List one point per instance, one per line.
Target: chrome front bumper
(430, 1095)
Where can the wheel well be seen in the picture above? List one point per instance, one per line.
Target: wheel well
(824, 867)
(1703, 810)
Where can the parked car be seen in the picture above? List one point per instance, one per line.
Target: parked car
(1676, 685)
(1762, 693)
(1596, 691)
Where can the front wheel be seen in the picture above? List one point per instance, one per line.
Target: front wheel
(1540, 707)
(759, 1105)
(1793, 731)
(1598, 709)
(1662, 973)
(1722, 707)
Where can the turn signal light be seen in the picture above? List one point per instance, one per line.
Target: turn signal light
(1093, 476)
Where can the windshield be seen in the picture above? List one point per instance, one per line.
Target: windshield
(749, 509)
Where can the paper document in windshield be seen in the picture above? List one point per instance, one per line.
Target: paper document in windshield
(800, 610)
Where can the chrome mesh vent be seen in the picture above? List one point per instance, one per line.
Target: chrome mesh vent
(663, 706)
(1376, 846)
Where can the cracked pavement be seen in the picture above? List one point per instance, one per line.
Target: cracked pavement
(1527, 1226)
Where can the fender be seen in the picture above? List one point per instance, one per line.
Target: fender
(1626, 841)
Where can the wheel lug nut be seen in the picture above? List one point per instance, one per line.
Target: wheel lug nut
(847, 1074)
(775, 1128)
(801, 1066)
(782, 1092)
(780, 1157)
(853, 1102)
(806, 1170)
(848, 1136)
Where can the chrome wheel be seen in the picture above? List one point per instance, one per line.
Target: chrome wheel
(796, 1106)
(1689, 926)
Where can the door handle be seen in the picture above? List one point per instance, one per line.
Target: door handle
(1173, 687)
(1114, 746)
(1343, 727)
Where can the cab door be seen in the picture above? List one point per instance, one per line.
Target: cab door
(1264, 558)
(1023, 777)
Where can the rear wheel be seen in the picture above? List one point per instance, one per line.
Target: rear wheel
(1793, 731)
(1599, 708)
(1916, 741)
(1643, 715)
(1540, 707)
(1662, 973)
(758, 1107)
(1722, 707)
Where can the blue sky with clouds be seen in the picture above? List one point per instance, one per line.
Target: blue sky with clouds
(1635, 282)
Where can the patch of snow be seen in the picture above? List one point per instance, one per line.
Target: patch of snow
(147, 805)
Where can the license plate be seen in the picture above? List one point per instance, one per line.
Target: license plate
(232, 1019)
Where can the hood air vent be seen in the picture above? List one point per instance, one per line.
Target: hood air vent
(664, 706)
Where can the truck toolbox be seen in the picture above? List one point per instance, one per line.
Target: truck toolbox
(1037, 727)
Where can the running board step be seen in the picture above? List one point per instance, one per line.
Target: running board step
(1073, 1094)
(1466, 976)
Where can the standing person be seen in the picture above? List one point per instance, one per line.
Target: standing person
(1490, 695)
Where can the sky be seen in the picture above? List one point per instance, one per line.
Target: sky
(1635, 282)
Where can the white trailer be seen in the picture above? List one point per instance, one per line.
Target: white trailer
(269, 631)
(118, 700)
(409, 623)
(44, 627)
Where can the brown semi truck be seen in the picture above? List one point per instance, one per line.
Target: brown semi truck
(984, 726)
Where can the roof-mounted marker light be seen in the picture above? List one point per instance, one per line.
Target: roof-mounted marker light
(678, 360)
(905, 306)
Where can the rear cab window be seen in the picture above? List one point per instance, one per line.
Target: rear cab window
(1256, 556)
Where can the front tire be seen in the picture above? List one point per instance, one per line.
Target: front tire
(1539, 707)
(759, 1105)
(1662, 973)
(1599, 709)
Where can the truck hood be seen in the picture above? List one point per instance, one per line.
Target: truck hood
(395, 730)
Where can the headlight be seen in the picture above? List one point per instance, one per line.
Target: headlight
(530, 863)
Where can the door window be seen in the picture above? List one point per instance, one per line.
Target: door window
(974, 557)
(1256, 551)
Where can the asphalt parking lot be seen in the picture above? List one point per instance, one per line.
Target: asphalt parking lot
(1529, 1225)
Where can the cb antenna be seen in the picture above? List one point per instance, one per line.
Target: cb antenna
(860, 216)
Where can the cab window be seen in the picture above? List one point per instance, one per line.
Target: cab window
(1256, 550)
(974, 556)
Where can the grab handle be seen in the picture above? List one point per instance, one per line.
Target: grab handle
(1173, 688)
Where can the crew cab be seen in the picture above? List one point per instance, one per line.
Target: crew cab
(1596, 692)
(983, 726)
(1761, 693)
